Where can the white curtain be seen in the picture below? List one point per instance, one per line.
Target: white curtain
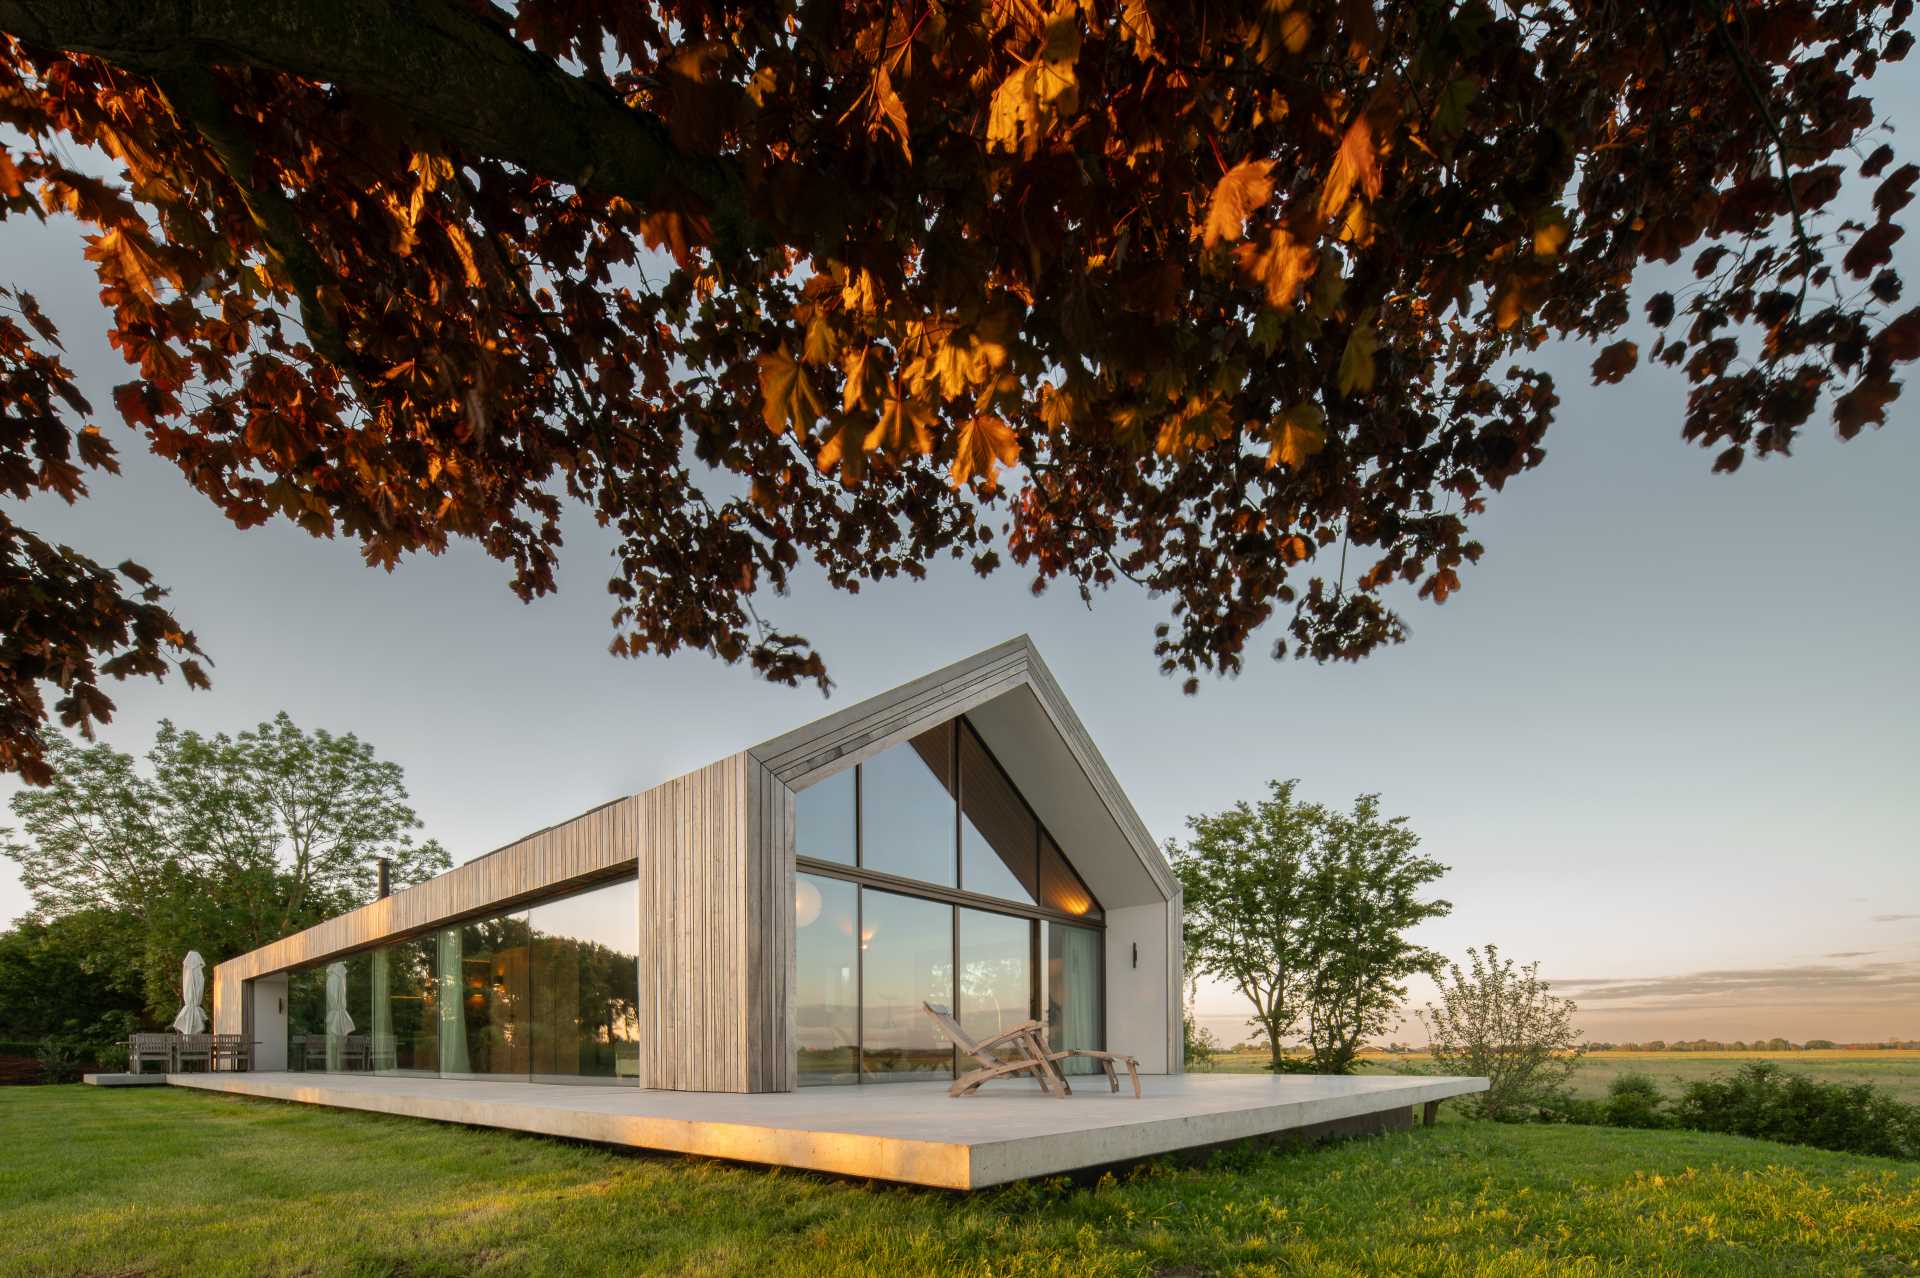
(453, 1018)
(385, 1050)
(1074, 995)
(193, 987)
(339, 1023)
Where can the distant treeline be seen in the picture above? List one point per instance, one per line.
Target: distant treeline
(1757, 1045)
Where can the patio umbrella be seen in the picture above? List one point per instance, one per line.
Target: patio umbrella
(193, 986)
(339, 1024)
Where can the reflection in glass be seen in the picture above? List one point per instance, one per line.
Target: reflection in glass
(907, 809)
(1060, 887)
(493, 993)
(1073, 991)
(907, 960)
(405, 1025)
(826, 1011)
(823, 819)
(997, 832)
(585, 987)
(996, 973)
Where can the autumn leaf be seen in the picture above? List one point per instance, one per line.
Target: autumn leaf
(866, 377)
(1028, 101)
(788, 397)
(1356, 163)
(1296, 435)
(902, 428)
(124, 259)
(1550, 233)
(1356, 361)
(1238, 195)
(984, 444)
(822, 344)
(1615, 362)
(1283, 266)
(843, 448)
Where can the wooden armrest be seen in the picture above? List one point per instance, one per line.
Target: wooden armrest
(1018, 1030)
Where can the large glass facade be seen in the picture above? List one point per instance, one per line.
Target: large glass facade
(1074, 994)
(906, 810)
(826, 993)
(549, 993)
(1005, 930)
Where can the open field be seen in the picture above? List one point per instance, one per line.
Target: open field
(170, 1182)
(1895, 1072)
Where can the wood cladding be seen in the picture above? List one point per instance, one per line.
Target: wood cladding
(714, 864)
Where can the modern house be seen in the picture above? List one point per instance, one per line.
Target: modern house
(738, 958)
(770, 922)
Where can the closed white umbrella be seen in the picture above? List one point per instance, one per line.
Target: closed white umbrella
(339, 1024)
(193, 987)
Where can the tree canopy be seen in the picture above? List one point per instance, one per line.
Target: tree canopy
(220, 844)
(1206, 296)
(1305, 911)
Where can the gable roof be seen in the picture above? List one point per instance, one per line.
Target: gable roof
(1013, 701)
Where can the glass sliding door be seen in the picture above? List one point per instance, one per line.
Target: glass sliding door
(405, 1029)
(493, 960)
(996, 973)
(1074, 1013)
(826, 992)
(585, 987)
(907, 960)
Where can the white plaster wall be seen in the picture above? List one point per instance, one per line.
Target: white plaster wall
(1140, 998)
(269, 1021)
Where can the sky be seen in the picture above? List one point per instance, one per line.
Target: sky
(1665, 737)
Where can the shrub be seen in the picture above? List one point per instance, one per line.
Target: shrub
(112, 1058)
(59, 1062)
(1500, 1023)
(1634, 1100)
(1763, 1100)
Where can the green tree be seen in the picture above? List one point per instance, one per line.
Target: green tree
(1499, 1021)
(1363, 896)
(222, 843)
(54, 982)
(1304, 910)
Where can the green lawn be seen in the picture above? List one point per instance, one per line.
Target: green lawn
(1895, 1072)
(173, 1182)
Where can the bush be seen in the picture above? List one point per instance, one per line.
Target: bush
(1634, 1100)
(1499, 1022)
(112, 1058)
(59, 1062)
(1765, 1101)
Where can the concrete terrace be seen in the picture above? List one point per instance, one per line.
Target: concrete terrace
(908, 1132)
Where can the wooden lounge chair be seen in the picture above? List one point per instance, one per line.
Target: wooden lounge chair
(157, 1048)
(1031, 1039)
(1107, 1062)
(1024, 1043)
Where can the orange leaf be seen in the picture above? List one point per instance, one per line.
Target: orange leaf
(1284, 266)
(1297, 434)
(902, 428)
(983, 445)
(787, 396)
(1237, 197)
(1357, 162)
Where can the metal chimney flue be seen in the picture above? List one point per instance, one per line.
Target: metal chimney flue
(386, 878)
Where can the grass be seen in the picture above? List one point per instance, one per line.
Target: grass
(164, 1182)
(1896, 1073)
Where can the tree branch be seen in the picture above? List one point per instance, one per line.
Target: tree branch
(431, 64)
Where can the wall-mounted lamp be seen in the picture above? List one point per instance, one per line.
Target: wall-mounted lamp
(1136, 954)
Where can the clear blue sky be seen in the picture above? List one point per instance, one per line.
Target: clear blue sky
(1665, 737)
